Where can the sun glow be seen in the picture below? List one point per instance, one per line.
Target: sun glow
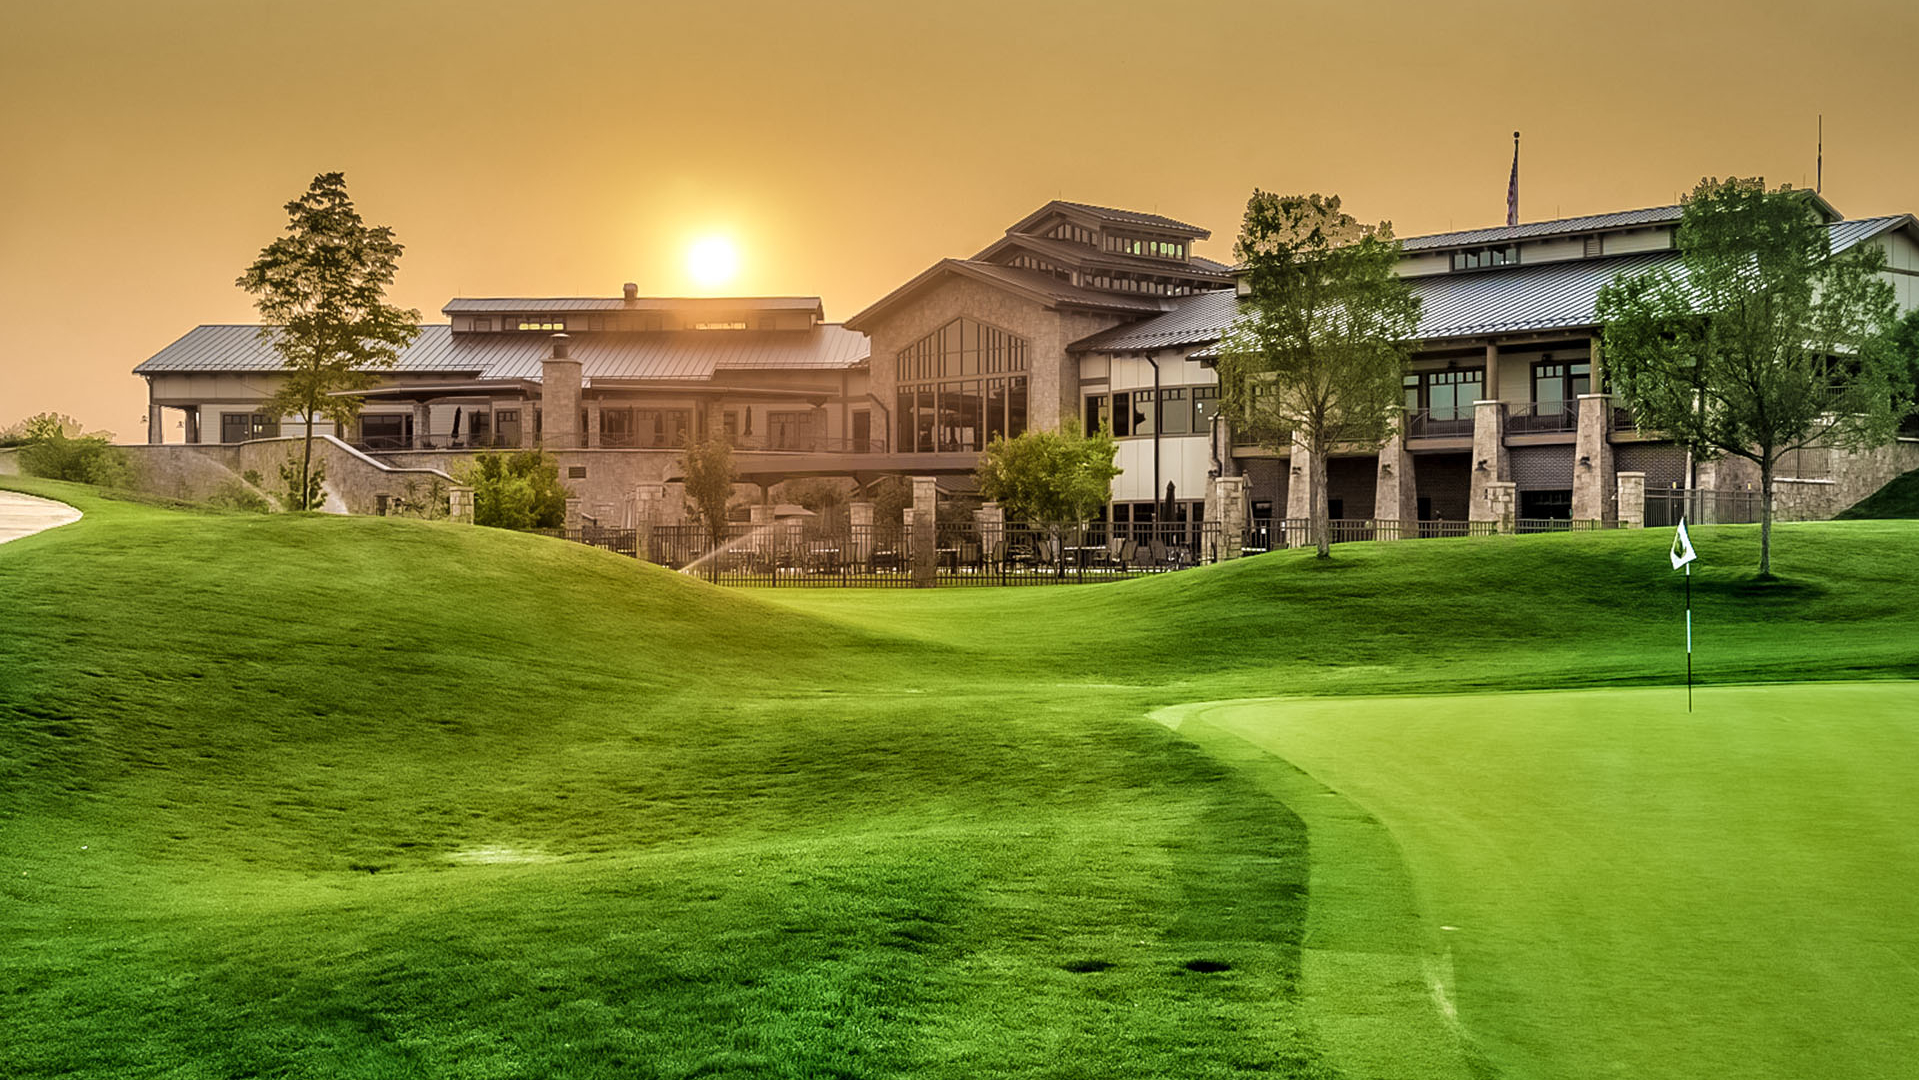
(712, 261)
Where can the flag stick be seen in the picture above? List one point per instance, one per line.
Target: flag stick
(1689, 637)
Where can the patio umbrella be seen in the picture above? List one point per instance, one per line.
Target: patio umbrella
(456, 423)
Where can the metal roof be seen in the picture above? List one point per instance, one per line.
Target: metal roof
(1079, 256)
(461, 305)
(1624, 219)
(676, 354)
(1198, 318)
(1514, 299)
(1043, 289)
(1132, 217)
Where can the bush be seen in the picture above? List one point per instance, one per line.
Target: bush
(238, 495)
(521, 490)
(51, 447)
(314, 495)
(431, 503)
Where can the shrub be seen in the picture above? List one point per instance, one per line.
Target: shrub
(431, 503)
(521, 490)
(51, 447)
(290, 472)
(239, 495)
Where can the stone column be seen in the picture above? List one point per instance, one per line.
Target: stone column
(459, 503)
(560, 398)
(1632, 500)
(991, 519)
(156, 424)
(1226, 505)
(925, 532)
(1490, 463)
(1592, 461)
(1396, 496)
(193, 423)
(572, 514)
(422, 424)
(1299, 483)
(593, 423)
(760, 517)
(859, 517)
(1502, 499)
(1492, 373)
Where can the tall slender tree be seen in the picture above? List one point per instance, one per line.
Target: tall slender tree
(321, 292)
(1316, 357)
(1762, 341)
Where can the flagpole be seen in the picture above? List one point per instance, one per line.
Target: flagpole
(1689, 637)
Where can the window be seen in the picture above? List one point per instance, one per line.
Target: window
(1205, 407)
(1140, 402)
(1449, 395)
(735, 325)
(542, 322)
(1483, 257)
(1175, 416)
(959, 387)
(788, 431)
(730, 425)
(240, 427)
(616, 427)
(484, 326)
(1559, 383)
(1099, 413)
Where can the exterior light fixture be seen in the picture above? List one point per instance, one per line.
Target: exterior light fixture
(1481, 467)
(1585, 461)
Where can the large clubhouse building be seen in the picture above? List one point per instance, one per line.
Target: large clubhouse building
(1078, 311)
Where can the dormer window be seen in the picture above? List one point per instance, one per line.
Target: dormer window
(1481, 258)
(542, 322)
(719, 326)
(1158, 249)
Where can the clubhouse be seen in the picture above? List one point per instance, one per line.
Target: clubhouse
(1077, 311)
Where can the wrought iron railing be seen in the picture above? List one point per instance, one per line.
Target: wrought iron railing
(1541, 417)
(1439, 423)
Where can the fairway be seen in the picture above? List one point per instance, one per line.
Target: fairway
(1622, 890)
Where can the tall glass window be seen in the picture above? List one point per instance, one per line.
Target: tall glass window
(1448, 394)
(958, 388)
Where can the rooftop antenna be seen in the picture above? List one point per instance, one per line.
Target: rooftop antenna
(1819, 176)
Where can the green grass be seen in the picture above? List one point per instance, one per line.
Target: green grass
(1628, 890)
(298, 795)
(1898, 499)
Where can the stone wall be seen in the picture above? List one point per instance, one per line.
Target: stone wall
(354, 481)
(1850, 478)
(1052, 388)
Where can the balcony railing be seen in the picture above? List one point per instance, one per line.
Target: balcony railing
(1439, 423)
(1542, 417)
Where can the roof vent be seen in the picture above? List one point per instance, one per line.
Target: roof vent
(560, 346)
(632, 293)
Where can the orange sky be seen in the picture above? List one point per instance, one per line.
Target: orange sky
(564, 148)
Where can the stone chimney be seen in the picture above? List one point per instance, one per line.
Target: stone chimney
(632, 294)
(560, 392)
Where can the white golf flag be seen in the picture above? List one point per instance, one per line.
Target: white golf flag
(1682, 552)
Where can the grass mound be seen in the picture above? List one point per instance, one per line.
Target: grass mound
(1898, 499)
(359, 797)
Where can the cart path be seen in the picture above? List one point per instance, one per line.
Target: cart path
(24, 515)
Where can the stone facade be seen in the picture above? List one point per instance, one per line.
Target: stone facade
(1052, 375)
(1490, 462)
(1593, 477)
(355, 482)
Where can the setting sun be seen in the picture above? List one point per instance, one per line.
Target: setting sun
(712, 261)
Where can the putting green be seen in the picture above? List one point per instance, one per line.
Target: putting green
(1610, 887)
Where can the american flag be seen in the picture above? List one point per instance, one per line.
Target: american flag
(1512, 187)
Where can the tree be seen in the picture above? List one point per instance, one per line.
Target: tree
(709, 478)
(1761, 341)
(1053, 479)
(1316, 357)
(521, 490)
(321, 293)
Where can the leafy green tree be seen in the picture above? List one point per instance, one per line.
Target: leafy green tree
(521, 490)
(52, 446)
(321, 292)
(1316, 357)
(1761, 341)
(709, 477)
(1054, 479)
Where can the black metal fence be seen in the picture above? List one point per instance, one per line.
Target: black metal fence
(800, 553)
(1702, 507)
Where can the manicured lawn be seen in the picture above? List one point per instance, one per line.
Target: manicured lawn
(1616, 888)
(301, 795)
(1899, 499)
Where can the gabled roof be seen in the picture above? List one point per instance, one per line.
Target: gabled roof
(1079, 255)
(677, 354)
(511, 304)
(1109, 215)
(1043, 289)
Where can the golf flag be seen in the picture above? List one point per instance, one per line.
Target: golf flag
(1682, 552)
